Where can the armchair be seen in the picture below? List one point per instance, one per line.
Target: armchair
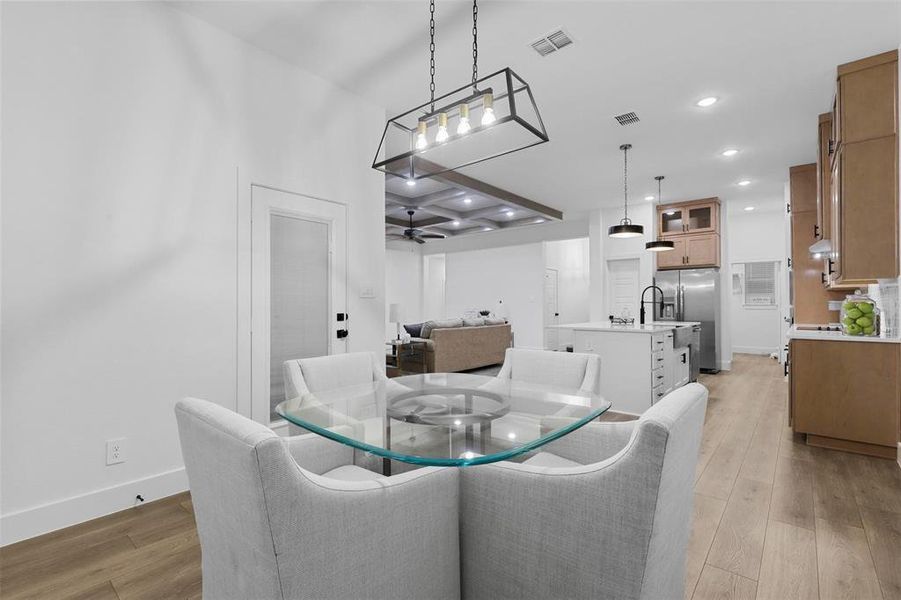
(563, 369)
(291, 518)
(604, 513)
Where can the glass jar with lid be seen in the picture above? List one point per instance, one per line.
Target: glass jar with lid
(859, 316)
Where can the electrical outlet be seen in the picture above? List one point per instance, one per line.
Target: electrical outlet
(115, 451)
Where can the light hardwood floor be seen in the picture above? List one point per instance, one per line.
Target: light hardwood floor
(773, 519)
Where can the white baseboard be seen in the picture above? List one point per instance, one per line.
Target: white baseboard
(31, 522)
(765, 350)
(725, 365)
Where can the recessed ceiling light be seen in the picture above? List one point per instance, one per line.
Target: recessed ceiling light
(539, 220)
(411, 182)
(730, 152)
(509, 213)
(649, 198)
(670, 213)
(487, 228)
(744, 182)
(467, 200)
(749, 208)
(708, 101)
(456, 223)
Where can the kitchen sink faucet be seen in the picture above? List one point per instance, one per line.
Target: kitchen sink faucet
(641, 304)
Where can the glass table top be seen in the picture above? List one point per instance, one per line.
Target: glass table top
(444, 419)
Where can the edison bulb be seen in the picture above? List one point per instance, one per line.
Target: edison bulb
(488, 109)
(441, 137)
(421, 140)
(463, 126)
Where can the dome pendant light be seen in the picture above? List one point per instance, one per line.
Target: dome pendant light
(625, 229)
(659, 245)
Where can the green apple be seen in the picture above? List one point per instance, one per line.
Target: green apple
(865, 322)
(847, 321)
(848, 305)
(854, 314)
(853, 330)
(868, 330)
(865, 307)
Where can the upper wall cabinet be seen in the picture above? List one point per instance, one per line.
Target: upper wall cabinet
(697, 216)
(863, 180)
(694, 227)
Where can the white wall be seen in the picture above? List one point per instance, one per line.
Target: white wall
(570, 258)
(754, 236)
(126, 127)
(514, 274)
(403, 285)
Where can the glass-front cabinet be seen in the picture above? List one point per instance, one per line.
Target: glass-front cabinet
(700, 216)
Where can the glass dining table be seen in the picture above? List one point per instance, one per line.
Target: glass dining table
(444, 419)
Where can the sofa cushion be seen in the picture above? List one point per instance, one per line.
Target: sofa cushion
(474, 322)
(414, 329)
(428, 326)
(495, 321)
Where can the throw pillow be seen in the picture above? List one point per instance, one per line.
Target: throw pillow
(476, 322)
(495, 321)
(431, 325)
(414, 329)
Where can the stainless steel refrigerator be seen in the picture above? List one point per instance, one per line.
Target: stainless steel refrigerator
(693, 295)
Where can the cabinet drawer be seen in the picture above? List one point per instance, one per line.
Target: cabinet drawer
(658, 342)
(657, 393)
(658, 377)
(657, 359)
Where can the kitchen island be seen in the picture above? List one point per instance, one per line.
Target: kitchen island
(639, 363)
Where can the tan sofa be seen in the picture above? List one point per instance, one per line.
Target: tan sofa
(453, 349)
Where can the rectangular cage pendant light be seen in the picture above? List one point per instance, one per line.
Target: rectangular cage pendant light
(493, 116)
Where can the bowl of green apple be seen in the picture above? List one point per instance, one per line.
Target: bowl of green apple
(859, 316)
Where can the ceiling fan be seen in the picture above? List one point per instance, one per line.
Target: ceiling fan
(413, 234)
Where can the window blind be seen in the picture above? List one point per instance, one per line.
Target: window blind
(760, 284)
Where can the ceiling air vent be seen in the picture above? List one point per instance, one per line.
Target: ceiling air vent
(551, 42)
(626, 118)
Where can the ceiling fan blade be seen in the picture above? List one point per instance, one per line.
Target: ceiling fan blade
(433, 236)
(419, 240)
(395, 236)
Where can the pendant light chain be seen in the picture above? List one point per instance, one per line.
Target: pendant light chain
(432, 52)
(626, 184)
(475, 43)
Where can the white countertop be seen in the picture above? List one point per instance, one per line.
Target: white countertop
(652, 327)
(834, 336)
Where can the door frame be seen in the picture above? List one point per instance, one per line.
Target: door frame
(544, 314)
(245, 184)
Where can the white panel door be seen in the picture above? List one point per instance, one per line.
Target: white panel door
(299, 287)
(623, 288)
(551, 311)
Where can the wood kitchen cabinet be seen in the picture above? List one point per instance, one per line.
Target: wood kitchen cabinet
(844, 395)
(694, 228)
(691, 251)
(809, 297)
(824, 178)
(863, 177)
(697, 216)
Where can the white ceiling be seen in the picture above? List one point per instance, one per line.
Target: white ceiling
(772, 65)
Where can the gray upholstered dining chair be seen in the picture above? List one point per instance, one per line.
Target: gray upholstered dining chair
(608, 516)
(293, 518)
(322, 373)
(569, 370)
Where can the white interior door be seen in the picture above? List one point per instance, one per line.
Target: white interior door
(551, 311)
(298, 288)
(623, 288)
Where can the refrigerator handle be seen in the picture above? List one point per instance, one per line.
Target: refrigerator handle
(680, 304)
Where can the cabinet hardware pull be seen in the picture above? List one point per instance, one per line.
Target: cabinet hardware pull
(816, 230)
(823, 278)
(831, 263)
(660, 377)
